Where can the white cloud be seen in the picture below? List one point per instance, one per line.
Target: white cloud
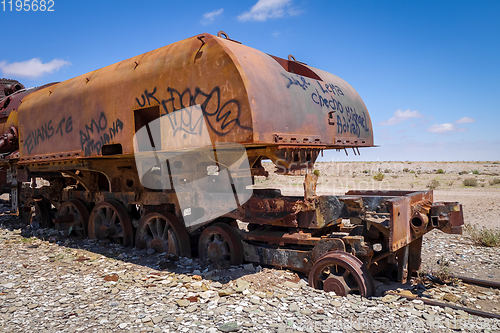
(465, 120)
(210, 16)
(446, 127)
(400, 116)
(33, 68)
(268, 9)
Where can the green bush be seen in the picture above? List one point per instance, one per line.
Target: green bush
(379, 176)
(406, 170)
(440, 171)
(475, 172)
(470, 182)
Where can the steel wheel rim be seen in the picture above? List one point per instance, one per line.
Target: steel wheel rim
(220, 242)
(38, 213)
(80, 213)
(342, 273)
(110, 220)
(163, 232)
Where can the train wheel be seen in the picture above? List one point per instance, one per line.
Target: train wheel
(37, 213)
(342, 273)
(163, 232)
(72, 215)
(110, 220)
(220, 242)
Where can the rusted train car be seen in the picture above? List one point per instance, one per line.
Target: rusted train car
(160, 151)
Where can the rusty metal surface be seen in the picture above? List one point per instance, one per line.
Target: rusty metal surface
(478, 282)
(9, 140)
(310, 184)
(281, 237)
(300, 260)
(447, 216)
(385, 225)
(392, 212)
(163, 232)
(216, 73)
(220, 242)
(110, 220)
(342, 273)
(9, 107)
(269, 207)
(72, 217)
(301, 93)
(294, 259)
(9, 86)
(186, 73)
(82, 135)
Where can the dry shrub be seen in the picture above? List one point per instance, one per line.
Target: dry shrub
(470, 182)
(485, 237)
(495, 181)
(433, 184)
(379, 176)
(443, 272)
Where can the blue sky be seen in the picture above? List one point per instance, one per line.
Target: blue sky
(428, 71)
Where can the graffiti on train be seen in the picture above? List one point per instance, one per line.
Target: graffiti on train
(329, 96)
(97, 133)
(47, 131)
(221, 116)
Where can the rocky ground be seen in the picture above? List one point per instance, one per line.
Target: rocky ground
(50, 283)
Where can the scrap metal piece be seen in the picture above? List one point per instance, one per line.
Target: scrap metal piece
(310, 184)
(447, 216)
(300, 260)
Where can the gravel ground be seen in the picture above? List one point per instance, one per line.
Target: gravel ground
(70, 285)
(82, 286)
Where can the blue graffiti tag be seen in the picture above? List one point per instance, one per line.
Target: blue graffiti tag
(328, 95)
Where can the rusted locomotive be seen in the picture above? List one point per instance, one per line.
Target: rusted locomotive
(160, 151)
